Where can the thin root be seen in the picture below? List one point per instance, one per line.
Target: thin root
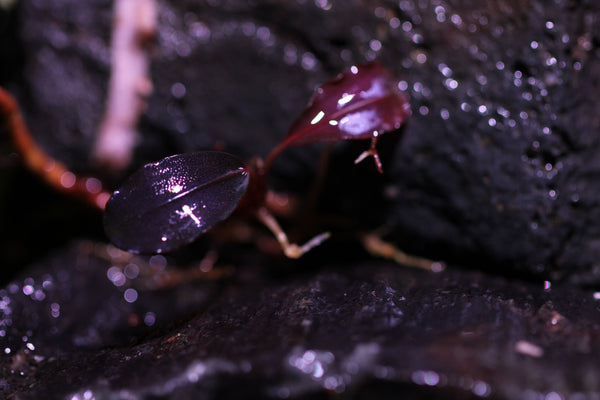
(158, 277)
(377, 247)
(291, 250)
(373, 153)
(55, 173)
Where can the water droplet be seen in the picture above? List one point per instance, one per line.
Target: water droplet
(93, 185)
(451, 84)
(429, 378)
(130, 295)
(416, 38)
(55, 310)
(456, 19)
(39, 295)
(290, 54)
(375, 45)
(178, 90)
(200, 31)
(550, 61)
(553, 396)
(158, 262)
(575, 197)
(131, 271)
(481, 389)
(323, 4)
(263, 33)
(115, 275)
(67, 179)
(149, 318)
(309, 62)
(440, 14)
(443, 68)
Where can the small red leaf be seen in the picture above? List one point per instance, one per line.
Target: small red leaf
(361, 103)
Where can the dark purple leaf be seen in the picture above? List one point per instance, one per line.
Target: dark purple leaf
(168, 204)
(361, 103)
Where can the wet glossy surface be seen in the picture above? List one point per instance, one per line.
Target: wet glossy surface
(168, 204)
(78, 326)
(362, 102)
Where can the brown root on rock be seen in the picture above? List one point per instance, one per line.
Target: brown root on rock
(52, 171)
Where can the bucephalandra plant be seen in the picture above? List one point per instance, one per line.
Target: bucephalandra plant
(170, 203)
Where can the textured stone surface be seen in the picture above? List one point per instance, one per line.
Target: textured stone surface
(355, 330)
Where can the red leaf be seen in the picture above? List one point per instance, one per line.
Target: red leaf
(361, 103)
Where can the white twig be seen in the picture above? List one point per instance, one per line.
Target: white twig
(129, 85)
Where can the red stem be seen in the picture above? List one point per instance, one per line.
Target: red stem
(55, 173)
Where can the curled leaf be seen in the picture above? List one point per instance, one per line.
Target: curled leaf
(363, 102)
(168, 204)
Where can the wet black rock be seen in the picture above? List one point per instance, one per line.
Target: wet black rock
(498, 156)
(351, 330)
(66, 59)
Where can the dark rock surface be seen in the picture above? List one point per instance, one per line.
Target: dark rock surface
(355, 330)
(496, 173)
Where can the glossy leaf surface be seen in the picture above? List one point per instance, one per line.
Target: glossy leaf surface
(168, 204)
(361, 103)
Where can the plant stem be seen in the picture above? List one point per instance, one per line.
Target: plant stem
(291, 250)
(55, 173)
